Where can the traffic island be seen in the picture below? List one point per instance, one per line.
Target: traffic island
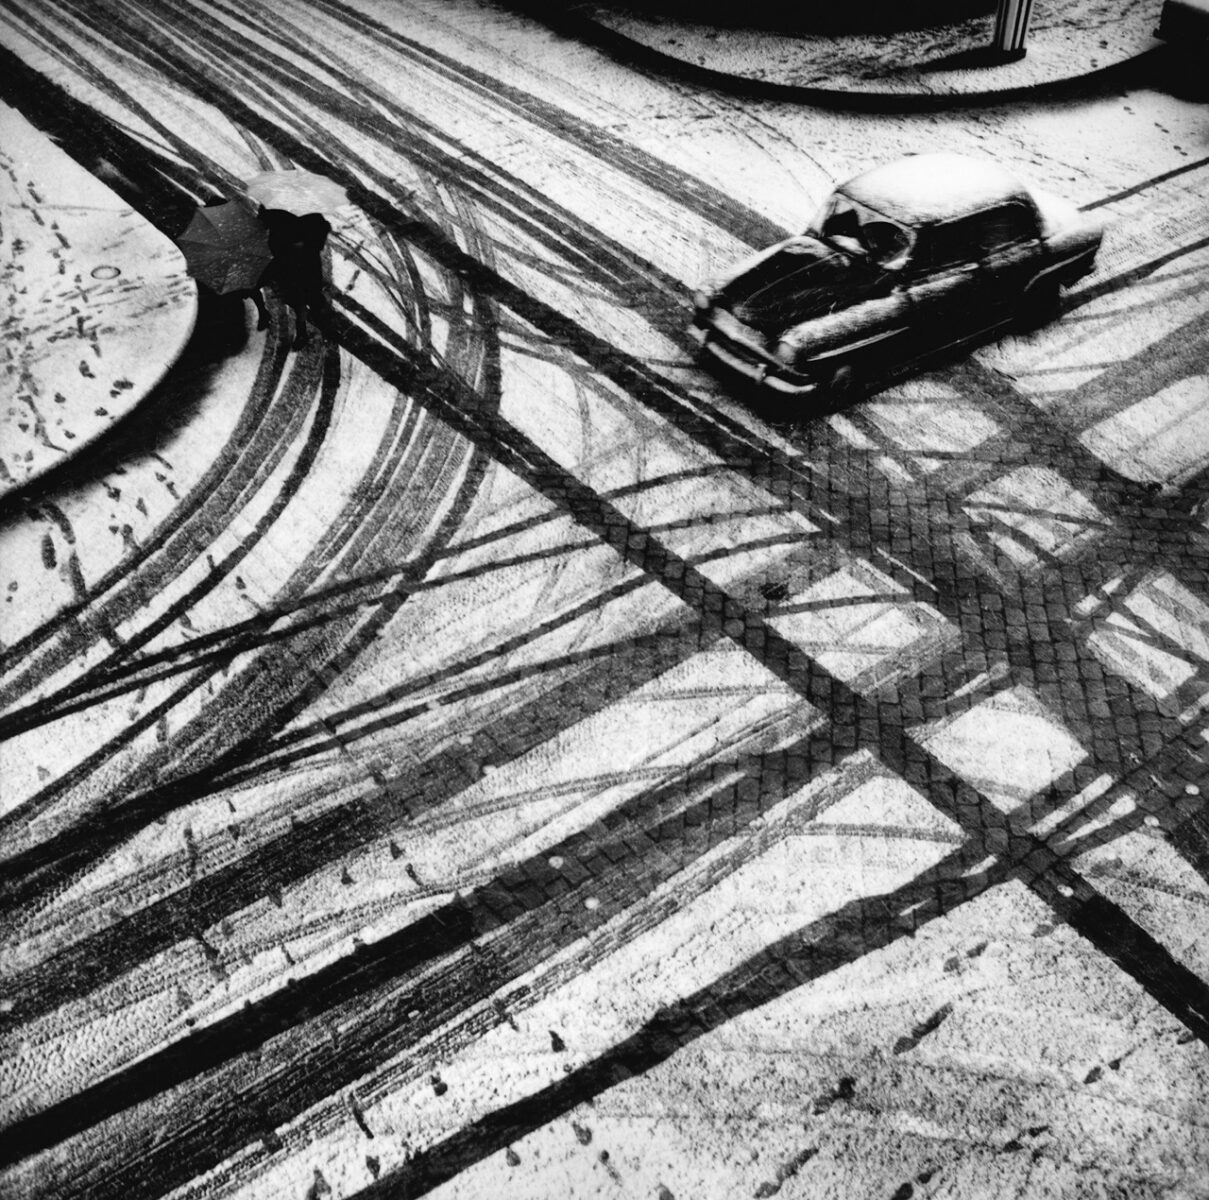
(100, 305)
(940, 49)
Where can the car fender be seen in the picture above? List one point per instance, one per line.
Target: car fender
(1070, 238)
(849, 330)
(1071, 252)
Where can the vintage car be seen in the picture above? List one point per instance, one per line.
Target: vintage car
(927, 252)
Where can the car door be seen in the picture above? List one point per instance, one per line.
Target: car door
(1010, 255)
(942, 283)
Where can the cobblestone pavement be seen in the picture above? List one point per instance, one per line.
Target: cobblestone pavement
(477, 754)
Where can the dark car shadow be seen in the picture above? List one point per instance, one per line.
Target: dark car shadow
(788, 412)
(780, 411)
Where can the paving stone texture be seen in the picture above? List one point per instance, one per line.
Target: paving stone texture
(479, 754)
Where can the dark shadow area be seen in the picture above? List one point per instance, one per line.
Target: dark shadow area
(1179, 70)
(976, 58)
(786, 413)
(852, 17)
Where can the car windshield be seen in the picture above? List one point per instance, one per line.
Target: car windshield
(856, 229)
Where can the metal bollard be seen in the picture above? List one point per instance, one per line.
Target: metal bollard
(1011, 26)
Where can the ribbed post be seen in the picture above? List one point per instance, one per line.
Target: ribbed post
(1011, 25)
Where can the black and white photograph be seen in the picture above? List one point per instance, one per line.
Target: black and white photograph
(604, 601)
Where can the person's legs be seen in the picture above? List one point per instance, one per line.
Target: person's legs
(307, 300)
(262, 313)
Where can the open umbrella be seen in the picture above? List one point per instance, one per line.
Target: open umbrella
(297, 192)
(225, 247)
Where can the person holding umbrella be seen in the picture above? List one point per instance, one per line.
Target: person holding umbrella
(296, 269)
(236, 251)
(293, 203)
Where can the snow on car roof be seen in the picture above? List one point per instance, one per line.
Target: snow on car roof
(922, 188)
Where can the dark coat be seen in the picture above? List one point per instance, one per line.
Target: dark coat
(296, 244)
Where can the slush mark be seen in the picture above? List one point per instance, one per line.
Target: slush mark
(922, 1030)
(504, 1015)
(605, 1162)
(359, 1114)
(844, 1090)
(787, 1170)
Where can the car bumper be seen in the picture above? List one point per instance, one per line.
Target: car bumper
(738, 356)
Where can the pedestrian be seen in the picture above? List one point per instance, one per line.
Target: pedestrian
(296, 270)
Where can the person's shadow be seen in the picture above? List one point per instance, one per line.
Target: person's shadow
(296, 270)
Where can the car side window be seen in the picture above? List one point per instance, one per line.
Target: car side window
(951, 243)
(1007, 225)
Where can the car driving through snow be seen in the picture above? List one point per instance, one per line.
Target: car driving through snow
(914, 256)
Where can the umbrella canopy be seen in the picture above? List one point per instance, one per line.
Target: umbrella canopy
(225, 247)
(297, 192)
